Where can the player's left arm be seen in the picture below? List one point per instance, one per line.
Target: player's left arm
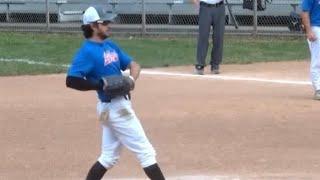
(134, 69)
(127, 62)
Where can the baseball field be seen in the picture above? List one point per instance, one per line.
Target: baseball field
(255, 121)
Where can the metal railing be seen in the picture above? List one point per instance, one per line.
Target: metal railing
(148, 16)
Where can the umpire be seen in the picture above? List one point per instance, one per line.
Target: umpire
(211, 13)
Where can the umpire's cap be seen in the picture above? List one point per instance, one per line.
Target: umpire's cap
(97, 13)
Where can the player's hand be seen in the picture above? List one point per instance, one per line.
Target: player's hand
(311, 36)
(196, 4)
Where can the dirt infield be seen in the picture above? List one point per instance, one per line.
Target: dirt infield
(201, 128)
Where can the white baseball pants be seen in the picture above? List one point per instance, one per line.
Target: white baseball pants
(121, 127)
(315, 59)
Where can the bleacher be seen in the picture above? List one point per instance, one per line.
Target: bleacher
(130, 11)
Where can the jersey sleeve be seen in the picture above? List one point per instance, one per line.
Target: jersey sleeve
(306, 5)
(124, 58)
(81, 66)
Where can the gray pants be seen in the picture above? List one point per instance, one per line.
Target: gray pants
(215, 17)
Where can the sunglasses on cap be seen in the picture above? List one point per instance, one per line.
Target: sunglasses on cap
(103, 22)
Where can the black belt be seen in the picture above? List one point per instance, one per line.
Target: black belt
(211, 5)
(108, 100)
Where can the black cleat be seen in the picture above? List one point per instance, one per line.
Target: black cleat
(215, 69)
(199, 69)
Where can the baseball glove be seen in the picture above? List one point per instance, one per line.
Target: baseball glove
(117, 85)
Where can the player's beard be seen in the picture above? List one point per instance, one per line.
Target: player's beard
(103, 35)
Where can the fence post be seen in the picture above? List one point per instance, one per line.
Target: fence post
(170, 4)
(255, 17)
(8, 12)
(47, 16)
(143, 18)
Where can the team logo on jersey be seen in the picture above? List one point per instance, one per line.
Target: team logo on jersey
(110, 57)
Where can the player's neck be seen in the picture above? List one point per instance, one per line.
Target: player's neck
(96, 39)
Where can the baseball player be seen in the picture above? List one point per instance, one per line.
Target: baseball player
(98, 66)
(311, 21)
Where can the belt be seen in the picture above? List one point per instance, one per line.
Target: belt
(108, 100)
(211, 5)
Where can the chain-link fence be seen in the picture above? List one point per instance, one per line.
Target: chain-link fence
(151, 16)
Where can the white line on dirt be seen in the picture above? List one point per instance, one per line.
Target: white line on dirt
(175, 74)
(32, 62)
(223, 77)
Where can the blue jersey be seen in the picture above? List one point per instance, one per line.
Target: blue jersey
(95, 60)
(313, 7)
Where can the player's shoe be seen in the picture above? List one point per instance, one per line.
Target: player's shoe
(215, 69)
(199, 69)
(317, 95)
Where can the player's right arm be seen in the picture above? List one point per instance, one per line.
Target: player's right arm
(307, 25)
(80, 67)
(82, 84)
(305, 15)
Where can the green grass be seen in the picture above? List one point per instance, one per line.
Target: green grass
(14, 68)
(149, 52)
